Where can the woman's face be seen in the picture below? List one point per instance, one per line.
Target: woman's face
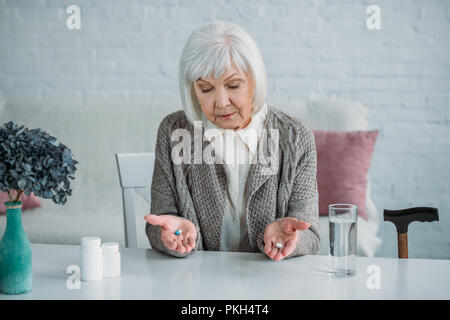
(226, 101)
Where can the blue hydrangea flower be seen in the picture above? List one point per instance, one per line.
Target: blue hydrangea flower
(34, 161)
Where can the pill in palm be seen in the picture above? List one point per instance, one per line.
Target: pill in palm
(178, 232)
(279, 245)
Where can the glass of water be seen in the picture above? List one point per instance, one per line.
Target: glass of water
(342, 254)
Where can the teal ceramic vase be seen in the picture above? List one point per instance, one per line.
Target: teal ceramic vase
(15, 254)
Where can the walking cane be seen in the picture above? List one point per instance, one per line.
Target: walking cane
(402, 218)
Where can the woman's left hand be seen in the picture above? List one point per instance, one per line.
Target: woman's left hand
(283, 231)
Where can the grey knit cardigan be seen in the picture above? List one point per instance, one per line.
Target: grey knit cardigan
(197, 191)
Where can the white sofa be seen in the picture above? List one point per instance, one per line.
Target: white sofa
(96, 130)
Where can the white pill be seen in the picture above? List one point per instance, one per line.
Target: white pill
(279, 245)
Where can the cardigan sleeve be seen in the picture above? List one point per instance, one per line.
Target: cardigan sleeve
(163, 194)
(303, 202)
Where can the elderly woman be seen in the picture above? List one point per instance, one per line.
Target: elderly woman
(232, 205)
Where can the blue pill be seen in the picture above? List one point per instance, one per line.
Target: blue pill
(177, 232)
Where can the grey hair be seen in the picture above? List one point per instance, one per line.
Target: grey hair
(209, 52)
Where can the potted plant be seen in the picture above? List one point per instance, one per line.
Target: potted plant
(30, 161)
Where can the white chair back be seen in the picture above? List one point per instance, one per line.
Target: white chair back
(135, 175)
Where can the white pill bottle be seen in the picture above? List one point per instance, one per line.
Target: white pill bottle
(91, 259)
(111, 260)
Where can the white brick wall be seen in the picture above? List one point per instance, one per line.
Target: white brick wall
(312, 48)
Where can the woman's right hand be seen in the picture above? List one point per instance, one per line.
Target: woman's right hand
(185, 241)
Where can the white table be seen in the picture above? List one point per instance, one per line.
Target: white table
(149, 274)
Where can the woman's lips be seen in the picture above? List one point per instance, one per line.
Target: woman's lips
(227, 116)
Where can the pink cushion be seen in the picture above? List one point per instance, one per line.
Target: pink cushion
(28, 202)
(343, 161)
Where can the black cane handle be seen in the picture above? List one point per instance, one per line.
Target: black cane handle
(402, 218)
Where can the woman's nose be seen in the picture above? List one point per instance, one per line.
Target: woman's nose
(221, 99)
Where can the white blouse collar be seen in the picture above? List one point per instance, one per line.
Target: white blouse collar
(249, 135)
(256, 122)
